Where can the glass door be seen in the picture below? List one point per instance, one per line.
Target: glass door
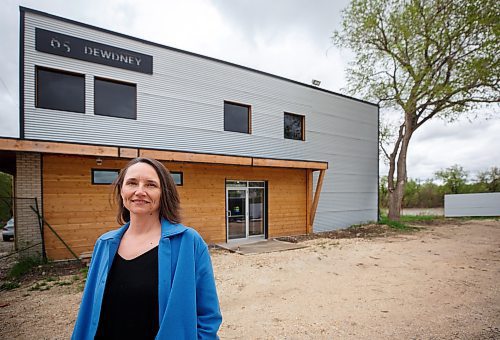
(245, 215)
(236, 213)
(256, 211)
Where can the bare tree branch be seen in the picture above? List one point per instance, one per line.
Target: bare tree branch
(426, 59)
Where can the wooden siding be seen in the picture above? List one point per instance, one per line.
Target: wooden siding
(80, 211)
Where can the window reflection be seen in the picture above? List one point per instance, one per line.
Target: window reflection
(294, 126)
(58, 90)
(114, 99)
(236, 117)
(104, 176)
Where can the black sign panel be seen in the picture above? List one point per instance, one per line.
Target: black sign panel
(72, 47)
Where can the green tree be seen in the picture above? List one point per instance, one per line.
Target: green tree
(411, 195)
(420, 59)
(430, 195)
(490, 179)
(5, 196)
(382, 191)
(454, 179)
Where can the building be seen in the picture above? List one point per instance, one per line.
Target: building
(255, 155)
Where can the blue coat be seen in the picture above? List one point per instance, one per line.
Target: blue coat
(188, 303)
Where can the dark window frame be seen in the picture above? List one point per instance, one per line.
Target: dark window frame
(303, 128)
(93, 171)
(249, 107)
(181, 175)
(54, 70)
(109, 80)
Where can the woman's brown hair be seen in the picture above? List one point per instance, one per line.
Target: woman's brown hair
(169, 198)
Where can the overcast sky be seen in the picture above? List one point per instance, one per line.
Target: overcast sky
(289, 38)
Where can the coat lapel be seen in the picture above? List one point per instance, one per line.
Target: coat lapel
(164, 274)
(114, 242)
(165, 263)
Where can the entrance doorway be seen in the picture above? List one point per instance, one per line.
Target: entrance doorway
(245, 214)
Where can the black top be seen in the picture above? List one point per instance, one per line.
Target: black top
(130, 303)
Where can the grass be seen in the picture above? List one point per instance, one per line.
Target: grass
(63, 283)
(404, 223)
(9, 285)
(420, 218)
(19, 269)
(41, 286)
(84, 272)
(49, 283)
(393, 224)
(23, 267)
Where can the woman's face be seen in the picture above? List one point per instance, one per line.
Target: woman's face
(141, 190)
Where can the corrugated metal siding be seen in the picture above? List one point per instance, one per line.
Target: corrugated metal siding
(485, 204)
(326, 220)
(180, 107)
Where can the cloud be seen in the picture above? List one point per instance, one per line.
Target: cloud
(438, 145)
(271, 20)
(289, 38)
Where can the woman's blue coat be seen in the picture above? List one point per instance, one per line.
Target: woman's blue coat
(189, 307)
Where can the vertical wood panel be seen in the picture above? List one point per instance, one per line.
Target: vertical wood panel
(317, 193)
(309, 194)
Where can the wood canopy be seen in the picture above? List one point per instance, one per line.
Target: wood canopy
(12, 144)
(25, 145)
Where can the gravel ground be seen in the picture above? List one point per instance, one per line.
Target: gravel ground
(441, 282)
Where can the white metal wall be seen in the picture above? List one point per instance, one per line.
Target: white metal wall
(180, 107)
(485, 204)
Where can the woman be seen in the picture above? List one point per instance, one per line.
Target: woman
(152, 278)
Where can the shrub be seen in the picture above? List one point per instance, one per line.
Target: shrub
(23, 267)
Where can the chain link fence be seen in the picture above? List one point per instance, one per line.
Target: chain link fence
(28, 227)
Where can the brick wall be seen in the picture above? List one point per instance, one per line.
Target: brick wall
(28, 187)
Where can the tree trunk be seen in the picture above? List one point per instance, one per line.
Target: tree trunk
(395, 205)
(398, 188)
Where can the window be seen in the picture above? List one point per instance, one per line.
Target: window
(115, 99)
(177, 177)
(236, 117)
(59, 90)
(104, 176)
(294, 126)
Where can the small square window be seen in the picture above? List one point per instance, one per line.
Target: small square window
(59, 90)
(177, 176)
(115, 99)
(236, 117)
(294, 126)
(104, 176)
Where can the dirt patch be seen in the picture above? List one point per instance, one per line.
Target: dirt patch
(369, 231)
(363, 231)
(53, 270)
(40, 272)
(438, 283)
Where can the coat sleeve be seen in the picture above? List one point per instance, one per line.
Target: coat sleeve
(208, 312)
